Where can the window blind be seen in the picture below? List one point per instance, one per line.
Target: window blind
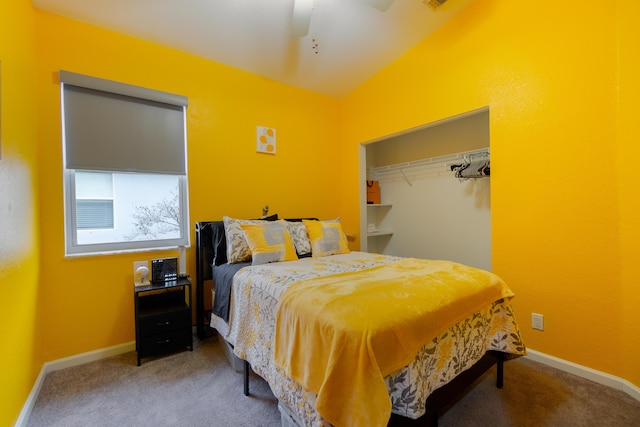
(94, 214)
(117, 127)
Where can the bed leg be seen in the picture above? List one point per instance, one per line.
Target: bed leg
(500, 376)
(246, 378)
(434, 420)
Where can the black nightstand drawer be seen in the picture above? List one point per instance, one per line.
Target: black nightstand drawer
(163, 317)
(163, 323)
(163, 343)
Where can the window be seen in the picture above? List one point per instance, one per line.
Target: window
(125, 175)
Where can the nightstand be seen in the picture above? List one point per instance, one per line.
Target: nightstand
(163, 318)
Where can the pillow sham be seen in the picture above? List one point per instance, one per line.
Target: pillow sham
(300, 238)
(269, 242)
(327, 238)
(237, 246)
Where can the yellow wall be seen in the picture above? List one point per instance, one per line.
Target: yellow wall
(549, 76)
(561, 84)
(629, 152)
(21, 333)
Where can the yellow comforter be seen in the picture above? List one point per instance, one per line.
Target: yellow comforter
(340, 335)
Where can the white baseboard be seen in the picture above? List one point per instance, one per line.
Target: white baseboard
(31, 400)
(587, 373)
(67, 362)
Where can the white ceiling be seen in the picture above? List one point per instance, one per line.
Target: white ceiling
(348, 40)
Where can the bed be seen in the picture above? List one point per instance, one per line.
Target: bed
(276, 314)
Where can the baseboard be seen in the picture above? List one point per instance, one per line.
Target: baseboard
(31, 400)
(67, 362)
(587, 373)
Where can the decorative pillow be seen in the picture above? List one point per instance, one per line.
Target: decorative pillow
(300, 238)
(327, 238)
(269, 242)
(237, 246)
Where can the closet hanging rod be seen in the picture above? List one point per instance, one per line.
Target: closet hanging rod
(433, 161)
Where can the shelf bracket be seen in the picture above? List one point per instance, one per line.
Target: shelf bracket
(406, 178)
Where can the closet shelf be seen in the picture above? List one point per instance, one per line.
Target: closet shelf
(374, 216)
(380, 233)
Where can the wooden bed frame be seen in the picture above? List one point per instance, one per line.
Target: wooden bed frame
(436, 401)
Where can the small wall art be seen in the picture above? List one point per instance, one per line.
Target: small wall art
(266, 140)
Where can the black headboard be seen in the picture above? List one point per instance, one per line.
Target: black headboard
(204, 260)
(204, 246)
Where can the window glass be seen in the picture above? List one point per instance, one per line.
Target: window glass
(143, 207)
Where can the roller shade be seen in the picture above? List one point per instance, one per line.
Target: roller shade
(117, 127)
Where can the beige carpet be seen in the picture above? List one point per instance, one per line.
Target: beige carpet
(196, 388)
(199, 388)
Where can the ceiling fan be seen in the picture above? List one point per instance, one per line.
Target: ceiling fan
(302, 10)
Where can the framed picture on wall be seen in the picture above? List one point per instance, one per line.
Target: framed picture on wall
(266, 140)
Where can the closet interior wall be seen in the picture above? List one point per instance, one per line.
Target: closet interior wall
(430, 215)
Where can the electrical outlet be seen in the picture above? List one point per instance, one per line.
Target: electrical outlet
(537, 321)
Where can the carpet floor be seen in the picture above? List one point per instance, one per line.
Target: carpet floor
(200, 388)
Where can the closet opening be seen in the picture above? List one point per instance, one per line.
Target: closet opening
(425, 210)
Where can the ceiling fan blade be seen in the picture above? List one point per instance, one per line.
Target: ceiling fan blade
(301, 17)
(381, 5)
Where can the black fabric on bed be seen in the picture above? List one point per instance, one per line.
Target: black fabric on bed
(223, 278)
